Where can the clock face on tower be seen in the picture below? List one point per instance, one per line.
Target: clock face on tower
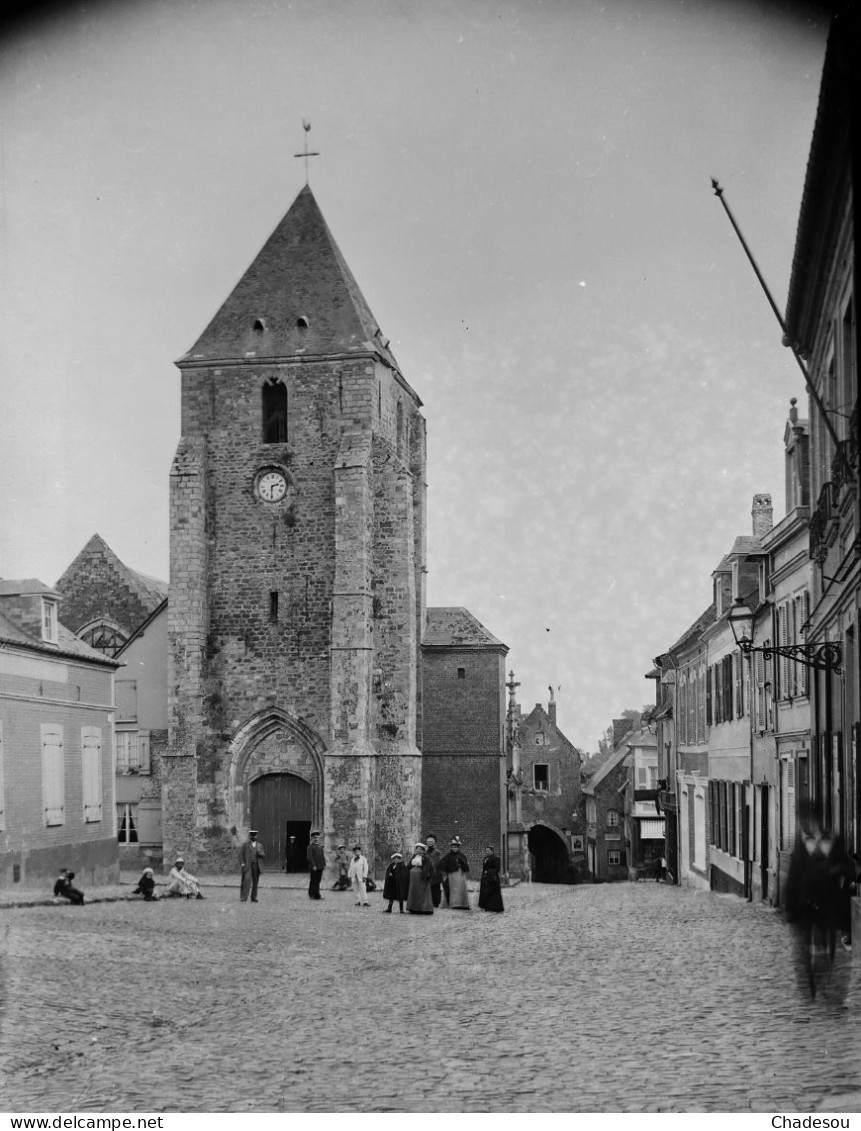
(271, 486)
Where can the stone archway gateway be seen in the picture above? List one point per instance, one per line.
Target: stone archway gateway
(549, 855)
(275, 778)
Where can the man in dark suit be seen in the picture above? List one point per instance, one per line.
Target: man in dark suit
(316, 865)
(250, 856)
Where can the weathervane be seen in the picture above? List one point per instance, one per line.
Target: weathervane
(306, 153)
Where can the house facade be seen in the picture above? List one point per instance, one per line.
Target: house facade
(545, 797)
(57, 807)
(644, 823)
(604, 794)
(141, 738)
(822, 326)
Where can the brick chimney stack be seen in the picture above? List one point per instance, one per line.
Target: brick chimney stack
(551, 707)
(762, 515)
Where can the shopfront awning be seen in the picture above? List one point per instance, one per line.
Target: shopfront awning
(652, 828)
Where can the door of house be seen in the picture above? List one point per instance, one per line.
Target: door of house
(280, 802)
(763, 843)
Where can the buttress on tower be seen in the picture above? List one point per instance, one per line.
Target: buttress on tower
(297, 555)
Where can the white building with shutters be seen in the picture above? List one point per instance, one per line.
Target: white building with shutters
(57, 794)
(141, 736)
(789, 583)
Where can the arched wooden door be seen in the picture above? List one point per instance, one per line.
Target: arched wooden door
(281, 807)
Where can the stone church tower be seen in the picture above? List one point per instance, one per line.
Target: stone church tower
(296, 568)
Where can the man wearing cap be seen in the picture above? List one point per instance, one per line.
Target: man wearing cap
(250, 856)
(182, 883)
(316, 865)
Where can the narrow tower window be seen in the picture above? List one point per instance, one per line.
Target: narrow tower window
(273, 607)
(274, 412)
(400, 427)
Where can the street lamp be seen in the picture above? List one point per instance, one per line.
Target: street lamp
(823, 657)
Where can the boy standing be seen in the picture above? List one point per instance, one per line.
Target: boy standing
(358, 873)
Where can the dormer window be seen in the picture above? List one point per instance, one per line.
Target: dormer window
(49, 620)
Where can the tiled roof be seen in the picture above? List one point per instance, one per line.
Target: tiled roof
(457, 626)
(299, 273)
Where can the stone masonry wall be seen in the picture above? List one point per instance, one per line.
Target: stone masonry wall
(462, 756)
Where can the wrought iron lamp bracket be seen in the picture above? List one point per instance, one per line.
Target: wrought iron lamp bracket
(823, 657)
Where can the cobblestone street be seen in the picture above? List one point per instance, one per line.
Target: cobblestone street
(557, 1005)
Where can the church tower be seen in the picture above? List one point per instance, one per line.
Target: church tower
(297, 561)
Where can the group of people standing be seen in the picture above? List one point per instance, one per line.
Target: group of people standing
(420, 883)
(429, 875)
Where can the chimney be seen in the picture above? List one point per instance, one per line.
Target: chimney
(761, 513)
(551, 707)
(621, 727)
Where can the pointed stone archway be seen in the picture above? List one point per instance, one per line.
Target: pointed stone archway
(268, 746)
(550, 856)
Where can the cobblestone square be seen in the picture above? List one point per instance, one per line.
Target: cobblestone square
(625, 997)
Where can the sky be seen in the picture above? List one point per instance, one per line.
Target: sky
(522, 191)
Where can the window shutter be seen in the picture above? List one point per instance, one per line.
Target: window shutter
(759, 690)
(91, 751)
(709, 672)
(53, 774)
(143, 751)
(784, 664)
(788, 804)
(122, 742)
(805, 614)
(127, 700)
(730, 820)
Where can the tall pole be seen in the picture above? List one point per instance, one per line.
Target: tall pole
(787, 341)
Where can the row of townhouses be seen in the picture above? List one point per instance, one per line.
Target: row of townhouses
(757, 705)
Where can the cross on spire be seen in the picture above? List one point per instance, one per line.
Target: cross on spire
(306, 153)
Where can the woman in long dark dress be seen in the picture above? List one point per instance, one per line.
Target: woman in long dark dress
(490, 890)
(419, 900)
(454, 867)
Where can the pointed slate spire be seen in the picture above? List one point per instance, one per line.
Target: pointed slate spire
(297, 299)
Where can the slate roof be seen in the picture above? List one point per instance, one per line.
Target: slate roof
(298, 273)
(67, 643)
(25, 587)
(457, 627)
(702, 622)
